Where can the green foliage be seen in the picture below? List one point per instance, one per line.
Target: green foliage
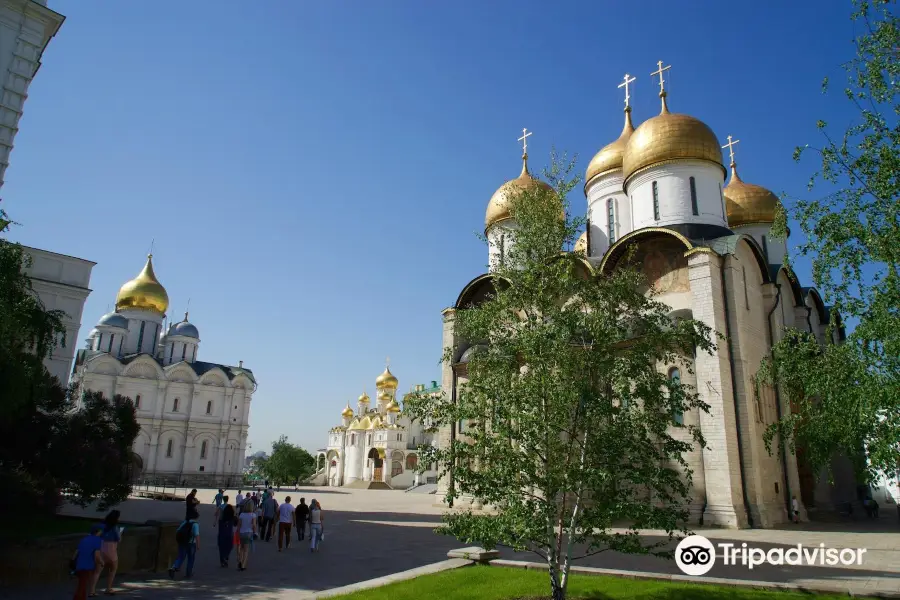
(51, 443)
(568, 405)
(848, 396)
(286, 463)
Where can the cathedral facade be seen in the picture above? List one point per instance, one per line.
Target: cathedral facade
(660, 190)
(194, 415)
(377, 447)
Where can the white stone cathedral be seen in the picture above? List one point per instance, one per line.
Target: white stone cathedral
(660, 190)
(194, 415)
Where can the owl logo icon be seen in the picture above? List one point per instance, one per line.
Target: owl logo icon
(695, 555)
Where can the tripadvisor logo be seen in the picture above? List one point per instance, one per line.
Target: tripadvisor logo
(695, 555)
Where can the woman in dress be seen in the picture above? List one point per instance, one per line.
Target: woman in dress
(316, 525)
(247, 531)
(109, 549)
(226, 523)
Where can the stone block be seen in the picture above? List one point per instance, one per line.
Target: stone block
(474, 553)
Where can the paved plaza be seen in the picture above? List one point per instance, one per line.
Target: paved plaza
(371, 533)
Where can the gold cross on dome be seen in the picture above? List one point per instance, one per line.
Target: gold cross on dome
(659, 71)
(730, 146)
(624, 84)
(387, 361)
(524, 139)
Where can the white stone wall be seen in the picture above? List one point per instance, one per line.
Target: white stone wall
(25, 30)
(152, 324)
(500, 239)
(61, 283)
(774, 248)
(601, 191)
(674, 195)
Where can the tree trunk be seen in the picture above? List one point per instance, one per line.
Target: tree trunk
(558, 592)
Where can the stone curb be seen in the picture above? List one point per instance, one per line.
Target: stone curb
(444, 565)
(857, 591)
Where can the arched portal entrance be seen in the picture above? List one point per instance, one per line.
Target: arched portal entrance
(377, 459)
(333, 473)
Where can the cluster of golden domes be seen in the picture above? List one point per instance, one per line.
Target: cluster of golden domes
(144, 292)
(387, 383)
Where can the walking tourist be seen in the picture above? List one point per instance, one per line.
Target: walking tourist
(191, 503)
(301, 516)
(239, 501)
(109, 549)
(270, 509)
(87, 560)
(285, 520)
(218, 499)
(246, 531)
(188, 537)
(227, 523)
(316, 525)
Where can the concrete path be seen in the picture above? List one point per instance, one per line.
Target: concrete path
(372, 534)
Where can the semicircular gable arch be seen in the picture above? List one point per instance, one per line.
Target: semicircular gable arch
(104, 364)
(215, 376)
(181, 372)
(793, 284)
(615, 252)
(144, 366)
(476, 291)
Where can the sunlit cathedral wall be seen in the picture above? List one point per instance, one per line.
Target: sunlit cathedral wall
(673, 186)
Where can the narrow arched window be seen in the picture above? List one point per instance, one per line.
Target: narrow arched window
(137, 401)
(611, 220)
(183, 350)
(502, 248)
(175, 405)
(655, 201)
(111, 338)
(694, 208)
(99, 342)
(169, 449)
(746, 295)
(675, 378)
(203, 449)
(209, 407)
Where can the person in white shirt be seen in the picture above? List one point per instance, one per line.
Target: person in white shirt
(239, 500)
(285, 520)
(246, 532)
(316, 525)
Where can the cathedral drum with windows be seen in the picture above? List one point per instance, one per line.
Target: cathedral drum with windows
(377, 447)
(657, 195)
(194, 415)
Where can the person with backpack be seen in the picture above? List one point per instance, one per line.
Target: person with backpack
(87, 560)
(188, 537)
(301, 515)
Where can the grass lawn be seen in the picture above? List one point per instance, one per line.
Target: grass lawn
(503, 583)
(38, 526)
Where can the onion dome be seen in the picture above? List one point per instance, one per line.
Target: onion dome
(747, 203)
(363, 399)
(384, 397)
(184, 328)
(386, 380)
(670, 137)
(609, 158)
(581, 243)
(393, 407)
(347, 412)
(113, 320)
(498, 207)
(144, 292)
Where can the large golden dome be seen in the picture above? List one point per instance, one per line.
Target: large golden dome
(609, 158)
(386, 380)
(667, 137)
(144, 292)
(747, 203)
(498, 207)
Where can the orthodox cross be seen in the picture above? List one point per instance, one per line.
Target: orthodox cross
(659, 71)
(730, 146)
(387, 362)
(524, 139)
(624, 84)
(151, 247)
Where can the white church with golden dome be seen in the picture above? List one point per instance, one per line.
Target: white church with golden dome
(660, 191)
(194, 415)
(377, 447)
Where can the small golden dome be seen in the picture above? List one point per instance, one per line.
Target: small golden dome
(386, 380)
(581, 243)
(609, 158)
(144, 292)
(347, 412)
(667, 137)
(364, 398)
(384, 397)
(746, 203)
(498, 207)
(393, 407)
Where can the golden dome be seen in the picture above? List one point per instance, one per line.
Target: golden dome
(746, 203)
(364, 398)
(581, 243)
(609, 158)
(386, 380)
(347, 412)
(393, 407)
(667, 137)
(144, 292)
(498, 207)
(384, 397)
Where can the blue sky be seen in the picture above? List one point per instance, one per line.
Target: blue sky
(313, 173)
